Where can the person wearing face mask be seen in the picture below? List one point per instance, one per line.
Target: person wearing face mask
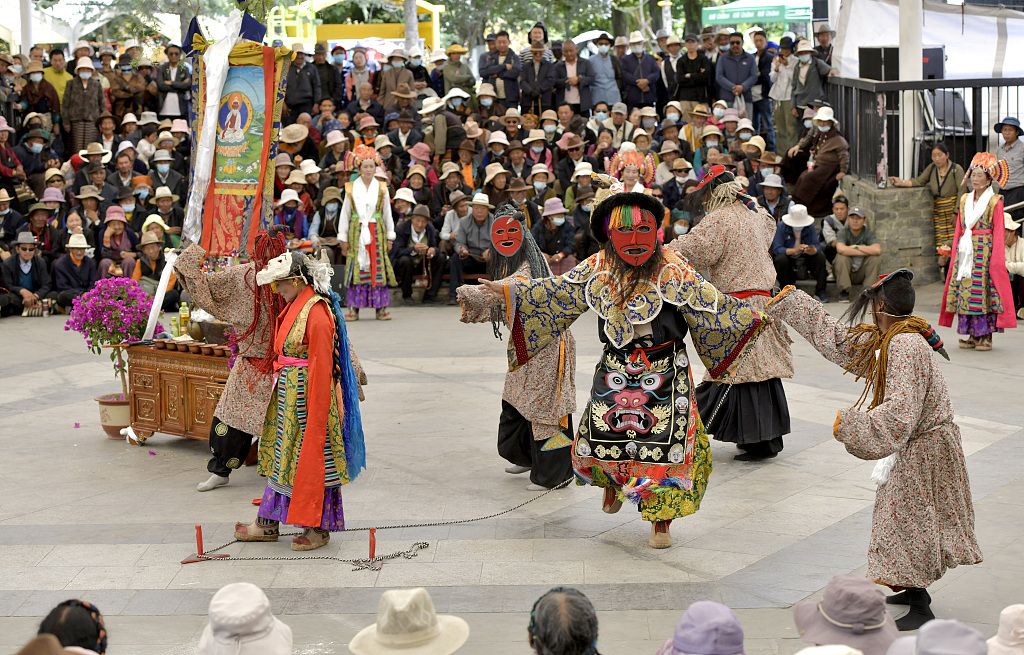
(640, 74)
(487, 104)
(458, 103)
(451, 181)
(555, 237)
(455, 73)
(323, 229)
(607, 74)
(537, 81)
(389, 80)
(332, 85)
(540, 180)
(764, 164)
(538, 152)
(302, 88)
(672, 189)
(127, 89)
(338, 61)
(83, 104)
(809, 78)
(711, 137)
(162, 175)
(37, 94)
(36, 156)
(781, 76)
(584, 242)
(830, 156)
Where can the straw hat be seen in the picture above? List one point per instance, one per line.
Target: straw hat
(93, 149)
(163, 192)
(511, 114)
(635, 37)
(700, 110)
(682, 165)
(288, 195)
(483, 200)
(309, 167)
(416, 169)
(296, 177)
(77, 241)
(492, 171)
(407, 622)
(294, 133)
(535, 135)
(710, 130)
(803, 45)
(148, 238)
(154, 219)
(456, 49)
(430, 105)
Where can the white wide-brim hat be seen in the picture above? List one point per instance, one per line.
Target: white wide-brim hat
(797, 217)
(407, 624)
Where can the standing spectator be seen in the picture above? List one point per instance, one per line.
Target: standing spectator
(824, 34)
(490, 43)
(302, 89)
(389, 80)
(331, 83)
(536, 82)
(57, 73)
(640, 74)
(416, 251)
(456, 73)
(537, 33)
(127, 89)
(736, 73)
(73, 273)
(420, 75)
(943, 178)
(25, 281)
(501, 69)
(83, 104)
(781, 93)
(360, 73)
(1014, 261)
(607, 72)
(693, 76)
(573, 80)
(858, 254)
(38, 95)
(831, 155)
(1012, 152)
(809, 78)
(761, 92)
(796, 247)
(670, 67)
(173, 84)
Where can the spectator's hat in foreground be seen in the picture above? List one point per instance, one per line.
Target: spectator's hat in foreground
(1009, 640)
(148, 238)
(706, 628)
(941, 637)
(857, 211)
(483, 200)
(404, 91)
(774, 181)
(511, 114)
(1012, 122)
(582, 169)
(309, 167)
(405, 193)
(420, 152)
(84, 63)
(468, 145)
(799, 218)
(334, 137)
(804, 46)
(518, 184)
(52, 194)
(757, 141)
(824, 28)
(494, 170)
(770, 158)
(115, 213)
(295, 133)
(154, 219)
(826, 114)
(148, 118)
(93, 149)
(179, 126)
(416, 169)
(161, 155)
(487, 90)
(241, 623)
(534, 135)
(473, 131)
(4, 127)
(6, 197)
(125, 145)
(456, 92)
(430, 105)
(553, 207)
(162, 192)
(667, 147)
(497, 137)
(681, 164)
(710, 130)
(288, 195)
(619, 108)
(449, 168)
(621, 41)
(331, 193)
(852, 609)
(38, 207)
(77, 241)
(569, 140)
(52, 173)
(422, 211)
(129, 118)
(438, 56)
(408, 623)
(457, 197)
(635, 37)
(365, 122)
(456, 49)
(25, 238)
(87, 191)
(382, 141)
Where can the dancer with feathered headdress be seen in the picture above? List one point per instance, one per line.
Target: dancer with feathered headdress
(312, 440)
(367, 230)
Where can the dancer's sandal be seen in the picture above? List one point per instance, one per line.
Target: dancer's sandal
(660, 535)
(351, 316)
(256, 532)
(311, 539)
(611, 502)
(984, 344)
(383, 315)
(968, 344)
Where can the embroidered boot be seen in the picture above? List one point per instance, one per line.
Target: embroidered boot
(610, 503)
(903, 598)
(660, 535)
(258, 530)
(311, 539)
(920, 610)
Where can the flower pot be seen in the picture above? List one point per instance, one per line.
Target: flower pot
(115, 414)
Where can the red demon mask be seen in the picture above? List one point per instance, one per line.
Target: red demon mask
(507, 235)
(633, 234)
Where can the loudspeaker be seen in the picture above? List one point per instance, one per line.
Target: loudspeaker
(883, 63)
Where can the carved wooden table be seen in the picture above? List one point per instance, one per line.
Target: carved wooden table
(173, 392)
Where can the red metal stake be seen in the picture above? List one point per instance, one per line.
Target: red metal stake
(199, 539)
(373, 543)
(201, 555)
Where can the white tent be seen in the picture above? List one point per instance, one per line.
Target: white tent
(980, 41)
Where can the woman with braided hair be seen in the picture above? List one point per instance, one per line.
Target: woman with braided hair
(312, 441)
(640, 437)
(231, 295)
(923, 521)
(535, 428)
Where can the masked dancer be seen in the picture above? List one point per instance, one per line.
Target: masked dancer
(729, 247)
(535, 428)
(640, 437)
(923, 521)
(231, 295)
(313, 436)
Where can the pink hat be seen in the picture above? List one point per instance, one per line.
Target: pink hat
(553, 207)
(4, 126)
(731, 115)
(53, 194)
(179, 125)
(115, 213)
(335, 136)
(420, 151)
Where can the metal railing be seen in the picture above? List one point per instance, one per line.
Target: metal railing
(893, 126)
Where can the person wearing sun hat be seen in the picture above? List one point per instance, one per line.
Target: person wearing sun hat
(809, 76)
(1011, 150)
(637, 456)
(24, 280)
(148, 268)
(74, 273)
(83, 104)
(919, 530)
(706, 628)
(241, 623)
(389, 79)
(455, 73)
(162, 173)
(851, 612)
(797, 245)
(815, 186)
(1009, 639)
(408, 623)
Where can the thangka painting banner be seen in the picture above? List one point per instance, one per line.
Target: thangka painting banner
(239, 200)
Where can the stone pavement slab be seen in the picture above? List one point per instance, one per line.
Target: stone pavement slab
(81, 515)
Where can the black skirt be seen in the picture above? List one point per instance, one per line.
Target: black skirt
(752, 412)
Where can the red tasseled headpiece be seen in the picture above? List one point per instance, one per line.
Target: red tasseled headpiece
(266, 247)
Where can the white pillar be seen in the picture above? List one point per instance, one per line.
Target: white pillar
(911, 68)
(26, 25)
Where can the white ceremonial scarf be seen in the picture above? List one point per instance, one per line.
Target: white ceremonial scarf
(973, 211)
(364, 202)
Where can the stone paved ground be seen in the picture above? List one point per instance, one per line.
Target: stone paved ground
(84, 516)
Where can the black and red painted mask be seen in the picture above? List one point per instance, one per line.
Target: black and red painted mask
(507, 235)
(634, 238)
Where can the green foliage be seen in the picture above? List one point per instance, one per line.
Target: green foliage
(468, 21)
(364, 11)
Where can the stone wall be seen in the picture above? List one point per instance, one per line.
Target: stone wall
(902, 220)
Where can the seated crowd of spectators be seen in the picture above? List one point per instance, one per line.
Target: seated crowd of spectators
(850, 619)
